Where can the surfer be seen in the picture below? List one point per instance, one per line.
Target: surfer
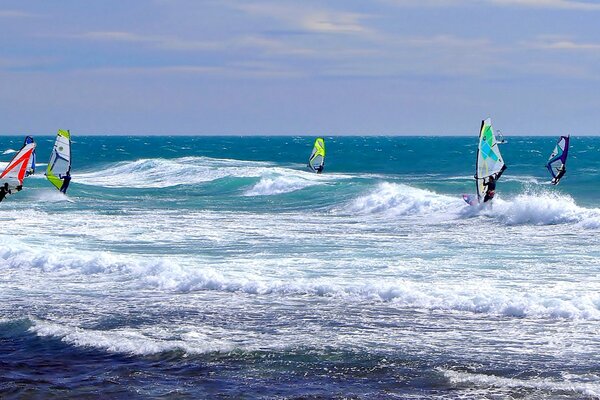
(491, 185)
(66, 180)
(319, 169)
(561, 171)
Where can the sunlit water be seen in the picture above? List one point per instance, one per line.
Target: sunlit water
(196, 267)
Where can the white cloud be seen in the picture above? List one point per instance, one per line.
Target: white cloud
(313, 20)
(556, 4)
(561, 43)
(547, 4)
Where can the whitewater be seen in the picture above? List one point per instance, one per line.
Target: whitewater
(203, 267)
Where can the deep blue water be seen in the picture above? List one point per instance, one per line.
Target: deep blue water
(220, 267)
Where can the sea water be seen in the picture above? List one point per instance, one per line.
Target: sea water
(221, 267)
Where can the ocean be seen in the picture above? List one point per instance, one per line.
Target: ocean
(222, 268)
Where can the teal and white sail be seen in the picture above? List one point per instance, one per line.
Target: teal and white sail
(489, 159)
(59, 166)
(317, 157)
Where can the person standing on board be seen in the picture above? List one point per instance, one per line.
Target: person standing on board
(561, 172)
(66, 180)
(490, 185)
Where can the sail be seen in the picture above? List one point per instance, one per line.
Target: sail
(317, 157)
(31, 167)
(558, 158)
(59, 166)
(489, 159)
(15, 171)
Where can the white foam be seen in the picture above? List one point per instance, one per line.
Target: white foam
(281, 184)
(9, 151)
(155, 173)
(545, 384)
(162, 274)
(543, 209)
(399, 199)
(130, 341)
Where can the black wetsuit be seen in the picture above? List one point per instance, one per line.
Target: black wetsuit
(65, 185)
(3, 193)
(491, 185)
(561, 173)
(490, 190)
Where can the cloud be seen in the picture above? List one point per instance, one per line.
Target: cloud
(308, 19)
(546, 4)
(15, 14)
(561, 43)
(556, 4)
(165, 42)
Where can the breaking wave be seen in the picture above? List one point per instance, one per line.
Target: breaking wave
(167, 276)
(590, 390)
(393, 199)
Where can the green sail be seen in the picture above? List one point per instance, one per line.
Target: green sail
(59, 165)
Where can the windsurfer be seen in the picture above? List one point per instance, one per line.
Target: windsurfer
(490, 184)
(4, 191)
(561, 171)
(319, 169)
(66, 180)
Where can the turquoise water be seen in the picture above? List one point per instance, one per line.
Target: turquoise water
(192, 267)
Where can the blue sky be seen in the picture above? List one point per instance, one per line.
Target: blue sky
(390, 67)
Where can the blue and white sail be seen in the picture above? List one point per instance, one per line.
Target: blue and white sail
(558, 159)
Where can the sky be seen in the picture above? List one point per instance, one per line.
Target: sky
(299, 67)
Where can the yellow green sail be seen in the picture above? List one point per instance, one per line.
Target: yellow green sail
(317, 157)
(59, 166)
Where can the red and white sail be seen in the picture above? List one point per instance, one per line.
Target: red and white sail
(14, 173)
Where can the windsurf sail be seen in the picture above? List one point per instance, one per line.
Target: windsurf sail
(58, 171)
(317, 157)
(558, 159)
(31, 167)
(489, 159)
(16, 170)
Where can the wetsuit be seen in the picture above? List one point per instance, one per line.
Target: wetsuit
(3, 192)
(491, 185)
(561, 173)
(65, 185)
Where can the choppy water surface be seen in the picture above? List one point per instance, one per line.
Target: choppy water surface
(196, 267)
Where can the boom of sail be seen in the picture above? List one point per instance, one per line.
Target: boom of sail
(58, 171)
(317, 157)
(489, 159)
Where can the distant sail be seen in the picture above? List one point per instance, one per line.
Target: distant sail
(489, 159)
(31, 166)
(558, 159)
(58, 171)
(317, 157)
(16, 170)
